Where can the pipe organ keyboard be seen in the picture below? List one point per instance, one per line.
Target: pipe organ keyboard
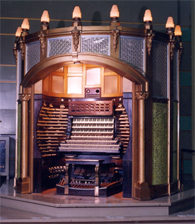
(91, 137)
(92, 130)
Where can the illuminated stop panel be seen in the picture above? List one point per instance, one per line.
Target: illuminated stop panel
(73, 80)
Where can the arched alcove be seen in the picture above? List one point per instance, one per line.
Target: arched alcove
(140, 87)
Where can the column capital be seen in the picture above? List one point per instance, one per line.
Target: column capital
(142, 95)
(24, 97)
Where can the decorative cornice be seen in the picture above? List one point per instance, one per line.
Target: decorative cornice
(142, 95)
(24, 97)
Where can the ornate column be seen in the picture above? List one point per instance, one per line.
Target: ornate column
(23, 183)
(142, 190)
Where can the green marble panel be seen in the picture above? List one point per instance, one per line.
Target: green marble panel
(174, 168)
(159, 144)
(19, 142)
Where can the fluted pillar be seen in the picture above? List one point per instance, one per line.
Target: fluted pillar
(142, 190)
(23, 183)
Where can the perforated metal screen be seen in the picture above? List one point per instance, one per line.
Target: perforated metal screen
(160, 69)
(96, 44)
(132, 52)
(59, 46)
(32, 54)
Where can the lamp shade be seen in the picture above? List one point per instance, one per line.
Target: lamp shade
(147, 16)
(45, 17)
(76, 12)
(18, 32)
(25, 24)
(170, 22)
(178, 31)
(114, 13)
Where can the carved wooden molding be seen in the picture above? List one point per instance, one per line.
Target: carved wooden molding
(115, 35)
(22, 47)
(75, 36)
(24, 97)
(149, 41)
(142, 95)
(42, 43)
(15, 51)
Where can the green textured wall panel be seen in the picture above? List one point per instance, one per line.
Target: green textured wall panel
(160, 140)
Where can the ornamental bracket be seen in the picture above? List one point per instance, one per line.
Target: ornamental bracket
(115, 36)
(142, 95)
(24, 97)
(75, 36)
(149, 41)
(42, 39)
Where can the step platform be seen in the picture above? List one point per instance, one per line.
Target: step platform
(69, 206)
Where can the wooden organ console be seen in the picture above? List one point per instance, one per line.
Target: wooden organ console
(92, 137)
(98, 108)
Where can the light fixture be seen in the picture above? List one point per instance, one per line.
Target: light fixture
(45, 17)
(45, 20)
(170, 23)
(25, 24)
(77, 15)
(18, 32)
(149, 29)
(114, 23)
(25, 28)
(16, 44)
(178, 35)
(177, 31)
(114, 13)
(147, 16)
(170, 31)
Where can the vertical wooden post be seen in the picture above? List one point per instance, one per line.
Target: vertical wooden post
(23, 183)
(142, 191)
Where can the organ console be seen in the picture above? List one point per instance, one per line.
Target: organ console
(98, 110)
(92, 137)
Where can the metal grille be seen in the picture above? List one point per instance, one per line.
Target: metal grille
(91, 108)
(175, 75)
(59, 46)
(160, 72)
(32, 54)
(96, 44)
(132, 52)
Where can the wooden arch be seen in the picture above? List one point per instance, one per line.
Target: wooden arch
(45, 67)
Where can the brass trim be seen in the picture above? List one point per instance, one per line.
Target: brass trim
(8, 82)
(7, 65)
